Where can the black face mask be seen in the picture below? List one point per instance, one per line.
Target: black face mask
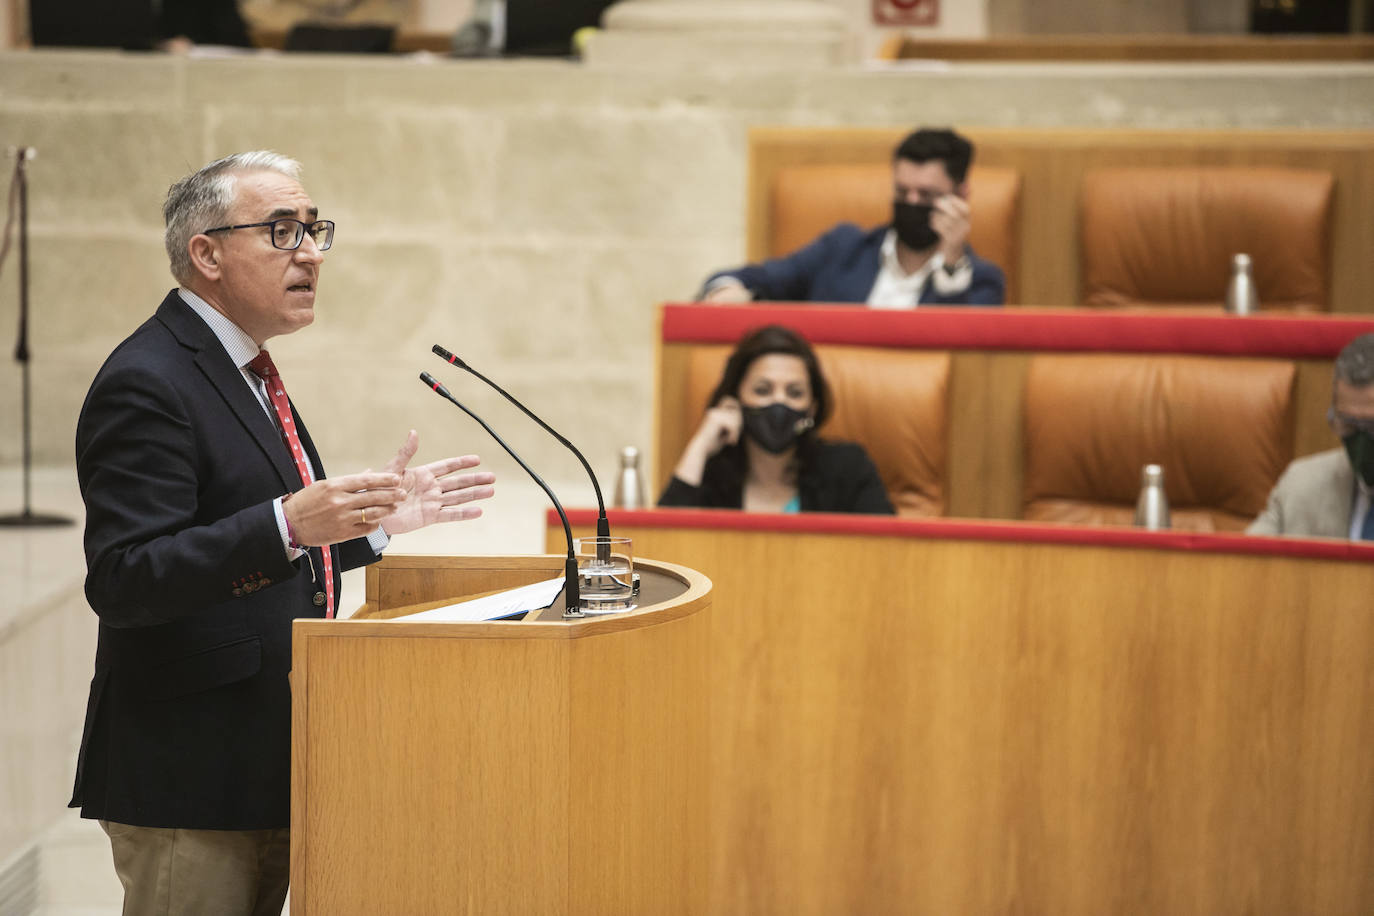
(1359, 448)
(912, 222)
(775, 427)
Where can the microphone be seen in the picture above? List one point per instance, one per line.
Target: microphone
(571, 593)
(603, 526)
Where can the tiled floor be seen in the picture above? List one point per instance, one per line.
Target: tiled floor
(77, 878)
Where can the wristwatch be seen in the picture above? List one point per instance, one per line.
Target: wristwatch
(952, 269)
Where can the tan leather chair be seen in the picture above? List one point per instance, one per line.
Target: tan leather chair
(809, 199)
(1221, 428)
(892, 402)
(1165, 236)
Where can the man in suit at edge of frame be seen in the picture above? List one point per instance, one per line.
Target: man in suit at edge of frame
(1328, 494)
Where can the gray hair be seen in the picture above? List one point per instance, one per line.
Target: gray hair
(202, 200)
(1355, 364)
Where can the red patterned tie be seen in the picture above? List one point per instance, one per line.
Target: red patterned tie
(263, 367)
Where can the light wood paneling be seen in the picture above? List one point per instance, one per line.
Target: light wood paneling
(904, 725)
(425, 799)
(676, 416)
(638, 753)
(1052, 163)
(522, 767)
(394, 585)
(985, 434)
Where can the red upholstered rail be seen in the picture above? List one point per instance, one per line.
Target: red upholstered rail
(971, 530)
(1046, 330)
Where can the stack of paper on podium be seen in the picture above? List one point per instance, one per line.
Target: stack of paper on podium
(512, 603)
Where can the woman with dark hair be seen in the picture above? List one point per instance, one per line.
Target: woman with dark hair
(757, 448)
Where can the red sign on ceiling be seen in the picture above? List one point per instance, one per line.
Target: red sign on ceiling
(906, 12)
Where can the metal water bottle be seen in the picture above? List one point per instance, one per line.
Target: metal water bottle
(1152, 507)
(1241, 298)
(629, 484)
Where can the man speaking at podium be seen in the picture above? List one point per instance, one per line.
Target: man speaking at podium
(210, 525)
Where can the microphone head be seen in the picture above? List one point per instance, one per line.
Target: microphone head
(433, 383)
(446, 355)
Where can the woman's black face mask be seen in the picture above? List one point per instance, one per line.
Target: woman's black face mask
(775, 427)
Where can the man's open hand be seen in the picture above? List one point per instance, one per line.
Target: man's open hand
(435, 492)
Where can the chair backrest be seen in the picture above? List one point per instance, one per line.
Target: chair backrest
(809, 199)
(1164, 236)
(1221, 428)
(892, 402)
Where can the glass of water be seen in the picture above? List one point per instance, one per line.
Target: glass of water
(605, 569)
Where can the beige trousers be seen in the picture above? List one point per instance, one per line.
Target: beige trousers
(167, 871)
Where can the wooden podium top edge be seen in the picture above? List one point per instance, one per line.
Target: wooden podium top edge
(693, 600)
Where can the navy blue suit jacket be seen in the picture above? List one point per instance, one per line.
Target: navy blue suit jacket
(189, 718)
(842, 265)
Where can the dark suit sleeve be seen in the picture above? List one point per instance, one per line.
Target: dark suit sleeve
(840, 477)
(355, 553)
(989, 286)
(678, 493)
(791, 278)
(867, 493)
(156, 547)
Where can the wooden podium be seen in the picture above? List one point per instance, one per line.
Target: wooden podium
(536, 766)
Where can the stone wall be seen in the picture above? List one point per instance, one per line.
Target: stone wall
(526, 214)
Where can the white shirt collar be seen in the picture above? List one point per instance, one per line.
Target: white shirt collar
(893, 264)
(235, 340)
(894, 288)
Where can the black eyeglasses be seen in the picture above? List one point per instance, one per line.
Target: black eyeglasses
(287, 234)
(1343, 425)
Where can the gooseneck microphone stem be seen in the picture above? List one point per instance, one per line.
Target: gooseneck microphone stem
(572, 596)
(603, 526)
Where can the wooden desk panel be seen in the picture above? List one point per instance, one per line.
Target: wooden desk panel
(927, 725)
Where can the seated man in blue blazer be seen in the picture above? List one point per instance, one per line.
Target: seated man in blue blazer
(921, 258)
